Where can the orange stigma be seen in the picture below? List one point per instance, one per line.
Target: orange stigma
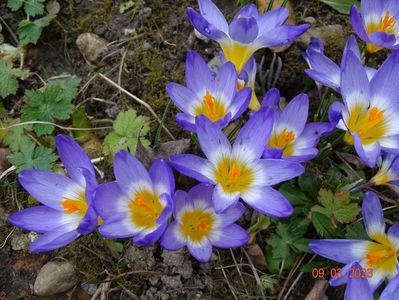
(71, 206)
(387, 22)
(375, 115)
(203, 226)
(235, 172)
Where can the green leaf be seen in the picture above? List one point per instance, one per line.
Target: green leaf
(293, 193)
(52, 103)
(8, 78)
(342, 6)
(34, 7)
(80, 120)
(308, 183)
(336, 206)
(15, 4)
(16, 138)
(29, 32)
(356, 232)
(128, 128)
(323, 225)
(32, 157)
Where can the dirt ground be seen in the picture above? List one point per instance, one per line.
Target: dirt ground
(142, 63)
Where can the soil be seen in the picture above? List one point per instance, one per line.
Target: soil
(151, 56)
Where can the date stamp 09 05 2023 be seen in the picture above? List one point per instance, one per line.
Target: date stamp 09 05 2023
(337, 273)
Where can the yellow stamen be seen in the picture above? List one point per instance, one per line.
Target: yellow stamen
(145, 209)
(212, 108)
(233, 175)
(382, 254)
(75, 205)
(283, 140)
(196, 224)
(386, 24)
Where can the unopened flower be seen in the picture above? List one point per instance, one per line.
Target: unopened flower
(378, 257)
(68, 210)
(326, 72)
(138, 204)
(378, 24)
(237, 170)
(248, 31)
(197, 225)
(291, 137)
(214, 96)
(370, 109)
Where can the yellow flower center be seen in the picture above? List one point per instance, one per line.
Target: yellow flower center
(283, 140)
(75, 205)
(212, 108)
(369, 124)
(145, 209)
(237, 53)
(196, 224)
(382, 255)
(233, 175)
(386, 24)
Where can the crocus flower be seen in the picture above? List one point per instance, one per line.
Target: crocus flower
(358, 287)
(237, 171)
(138, 203)
(377, 25)
(326, 72)
(67, 211)
(248, 31)
(391, 291)
(370, 109)
(197, 225)
(291, 137)
(378, 257)
(213, 96)
(388, 173)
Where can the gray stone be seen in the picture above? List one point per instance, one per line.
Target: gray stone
(55, 277)
(329, 35)
(173, 282)
(173, 258)
(140, 258)
(20, 241)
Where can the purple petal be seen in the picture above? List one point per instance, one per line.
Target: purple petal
(118, 226)
(351, 45)
(222, 200)
(321, 64)
(201, 193)
(193, 166)
(391, 292)
(202, 252)
(357, 24)
(55, 239)
(358, 288)
(343, 251)
(225, 83)
(323, 78)
(355, 86)
(393, 234)
(248, 11)
(270, 152)
(214, 143)
(181, 202)
(373, 216)
(335, 112)
(295, 114)
(150, 238)
(244, 30)
(274, 171)
(204, 27)
(369, 154)
(281, 35)
(162, 177)
(73, 157)
(272, 19)
(110, 200)
(198, 78)
(232, 214)
(240, 103)
(89, 221)
(167, 210)
(182, 97)
(342, 277)
(130, 172)
(382, 39)
(251, 140)
(39, 219)
(49, 188)
(213, 15)
(186, 121)
(232, 236)
(172, 240)
(271, 98)
(268, 201)
(371, 8)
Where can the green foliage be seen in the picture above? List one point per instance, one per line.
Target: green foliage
(286, 243)
(16, 138)
(336, 206)
(52, 103)
(356, 231)
(342, 6)
(8, 78)
(29, 31)
(31, 7)
(32, 157)
(128, 129)
(80, 120)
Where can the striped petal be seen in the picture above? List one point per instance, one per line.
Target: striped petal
(232, 236)
(373, 216)
(172, 239)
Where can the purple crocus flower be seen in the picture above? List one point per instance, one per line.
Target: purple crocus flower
(377, 25)
(291, 137)
(68, 210)
(237, 171)
(358, 287)
(197, 225)
(326, 72)
(248, 31)
(391, 291)
(213, 96)
(388, 173)
(138, 204)
(378, 257)
(370, 109)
